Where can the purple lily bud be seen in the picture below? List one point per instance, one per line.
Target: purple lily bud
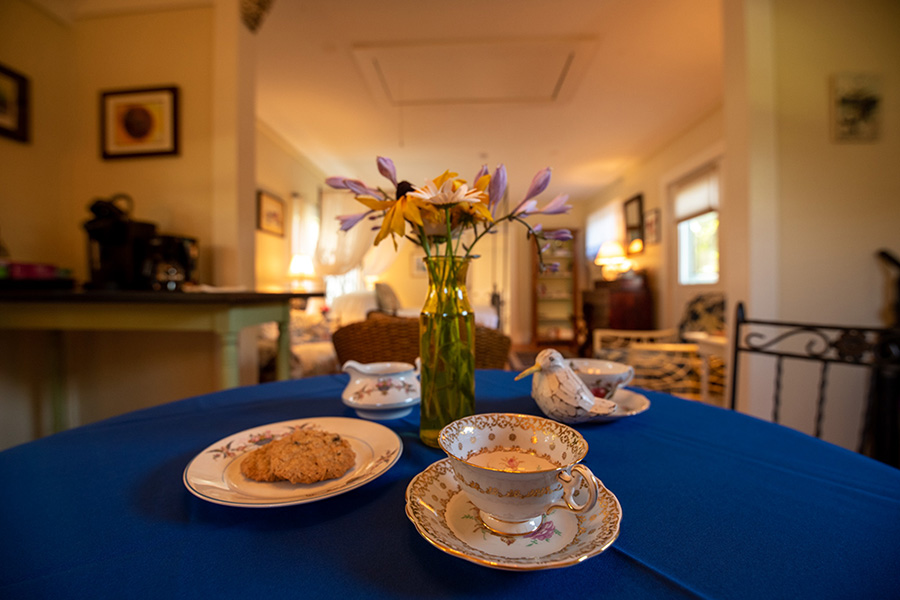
(338, 183)
(538, 184)
(481, 173)
(360, 189)
(497, 187)
(525, 207)
(386, 168)
(537, 229)
(348, 221)
(562, 235)
(557, 206)
(545, 247)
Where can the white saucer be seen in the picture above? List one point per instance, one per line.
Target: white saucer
(628, 404)
(444, 516)
(215, 474)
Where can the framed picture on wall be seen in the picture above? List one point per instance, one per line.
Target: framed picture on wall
(651, 226)
(634, 225)
(856, 100)
(269, 213)
(139, 122)
(15, 105)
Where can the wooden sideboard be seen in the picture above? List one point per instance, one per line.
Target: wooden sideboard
(624, 303)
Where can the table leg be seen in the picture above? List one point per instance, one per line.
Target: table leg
(230, 372)
(283, 358)
(58, 403)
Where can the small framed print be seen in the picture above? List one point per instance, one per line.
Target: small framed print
(856, 100)
(269, 213)
(15, 104)
(651, 226)
(139, 122)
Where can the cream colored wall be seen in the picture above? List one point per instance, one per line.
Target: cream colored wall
(838, 203)
(812, 212)
(283, 171)
(54, 179)
(40, 49)
(650, 178)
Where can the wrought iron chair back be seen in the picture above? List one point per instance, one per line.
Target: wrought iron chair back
(827, 344)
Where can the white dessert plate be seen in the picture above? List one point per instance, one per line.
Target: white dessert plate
(628, 403)
(445, 517)
(215, 474)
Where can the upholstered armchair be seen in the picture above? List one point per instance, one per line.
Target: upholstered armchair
(665, 359)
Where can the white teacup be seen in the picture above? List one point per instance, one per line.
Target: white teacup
(515, 468)
(603, 376)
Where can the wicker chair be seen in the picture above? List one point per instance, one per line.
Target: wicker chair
(382, 337)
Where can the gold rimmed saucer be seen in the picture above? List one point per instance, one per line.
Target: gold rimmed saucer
(445, 517)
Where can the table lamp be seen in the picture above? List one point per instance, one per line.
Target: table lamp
(611, 257)
(302, 273)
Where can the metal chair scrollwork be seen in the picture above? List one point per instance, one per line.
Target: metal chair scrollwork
(872, 348)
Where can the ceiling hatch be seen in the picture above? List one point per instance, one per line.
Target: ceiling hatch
(474, 72)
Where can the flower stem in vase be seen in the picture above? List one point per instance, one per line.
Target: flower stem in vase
(447, 347)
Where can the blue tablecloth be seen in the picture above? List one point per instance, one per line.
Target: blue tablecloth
(715, 505)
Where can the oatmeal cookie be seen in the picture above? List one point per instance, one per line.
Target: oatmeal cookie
(304, 456)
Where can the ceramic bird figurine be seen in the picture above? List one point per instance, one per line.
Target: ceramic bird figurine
(560, 393)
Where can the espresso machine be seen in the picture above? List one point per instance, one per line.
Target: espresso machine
(124, 254)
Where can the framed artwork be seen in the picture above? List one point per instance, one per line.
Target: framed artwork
(15, 105)
(269, 213)
(139, 122)
(856, 107)
(634, 224)
(651, 226)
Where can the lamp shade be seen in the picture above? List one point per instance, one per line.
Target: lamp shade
(611, 253)
(301, 266)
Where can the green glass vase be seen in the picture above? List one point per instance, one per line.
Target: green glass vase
(446, 348)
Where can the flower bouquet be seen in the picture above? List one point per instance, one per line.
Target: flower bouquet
(434, 217)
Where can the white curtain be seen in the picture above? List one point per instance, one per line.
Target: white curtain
(345, 258)
(340, 251)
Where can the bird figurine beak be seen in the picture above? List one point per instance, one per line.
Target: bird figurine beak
(532, 369)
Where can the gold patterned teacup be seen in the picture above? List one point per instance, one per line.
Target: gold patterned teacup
(516, 468)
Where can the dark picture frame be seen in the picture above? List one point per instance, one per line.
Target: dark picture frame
(139, 122)
(269, 213)
(15, 105)
(856, 107)
(634, 222)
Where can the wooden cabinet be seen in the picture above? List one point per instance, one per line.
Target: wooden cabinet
(624, 303)
(556, 296)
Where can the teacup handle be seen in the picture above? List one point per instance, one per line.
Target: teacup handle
(570, 484)
(628, 376)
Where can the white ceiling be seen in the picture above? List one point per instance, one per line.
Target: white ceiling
(584, 86)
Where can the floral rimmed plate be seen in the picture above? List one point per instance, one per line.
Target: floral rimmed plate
(215, 474)
(444, 516)
(628, 404)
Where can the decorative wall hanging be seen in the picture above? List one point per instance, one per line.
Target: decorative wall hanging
(15, 100)
(139, 122)
(634, 224)
(856, 107)
(269, 213)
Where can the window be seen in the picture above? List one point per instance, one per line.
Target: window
(696, 203)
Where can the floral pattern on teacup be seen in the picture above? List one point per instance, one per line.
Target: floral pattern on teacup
(544, 533)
